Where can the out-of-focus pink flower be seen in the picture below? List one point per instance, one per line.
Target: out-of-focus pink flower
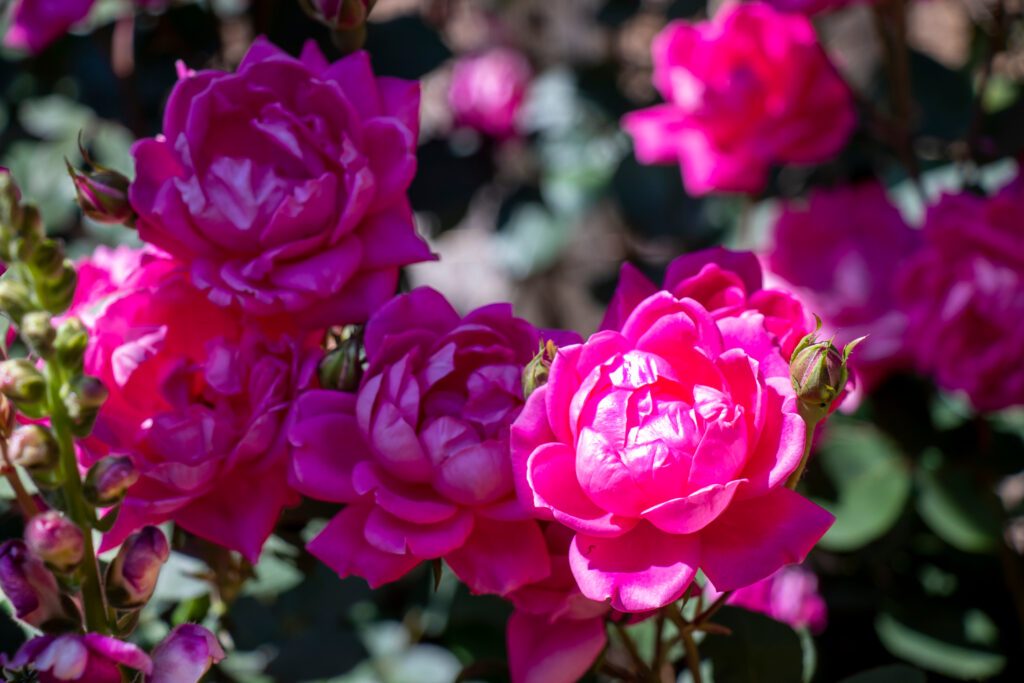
(421, 453)
(842, 252)
(665, 445)
(746, 90)
(726, 283)
(71, 657)
(555, 633)
(340, 15)
(102, 274)
(197, 401)
(29, 585)
(487, 91)
(790, 595)
(283, 186)
(185, 655)
(964, 292)
(37, 23)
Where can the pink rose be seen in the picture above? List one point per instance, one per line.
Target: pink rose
(197, 401)
(37, 23)
(71, 657)
(283, 186)
(420, 454)
(555, 633)
(726, 283)
(664, 445)
(746, 90)
(790, 595)
(964, 293)
(843, 252)
(488, 89)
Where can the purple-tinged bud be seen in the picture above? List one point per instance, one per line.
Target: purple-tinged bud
(185, 655)
(30, 586)
(132, 576)
(56, 540)
(38, 331)
(108, 479)
(92, 658)
(34, 448)
(103, 195)
(535, 374)
(21, 382)
(819, 372)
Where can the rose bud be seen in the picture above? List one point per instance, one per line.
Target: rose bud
(37, 330)
(103, 195)
(34, 448)
(21, 382)
(819, 373)
(132, 575)
(535, 374)
(48, 257)
(58, 291)
(29, 585)
(341, 368)
(15, 299)
(70, 343)
(108, 479)
(185, 655)
(55, 539)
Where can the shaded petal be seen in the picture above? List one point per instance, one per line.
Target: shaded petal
(544, 651)
(499, 557)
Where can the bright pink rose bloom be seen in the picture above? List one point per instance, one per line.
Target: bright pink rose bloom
(790, 595)
(185, 655)
(91, 658)
(421, 453)
(843, 251)
(726, 283)
(198, 402)
(283, 185)
(746, 90)
(665, 446)
(555, 633)
(37, 23)
(488, 89)
(964, 291)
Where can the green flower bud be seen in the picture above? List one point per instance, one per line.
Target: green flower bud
(819, 372)
(341, 368)
(21, 382)
(535, 374)
(15, 299)
(82, 397)
(48, 257)
(56, 293)
(58, 541)
(34, 448)
(70, 343)
(37, 330)
(109, 479)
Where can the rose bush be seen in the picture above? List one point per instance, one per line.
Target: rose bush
(664, 445)
(745, 90)
(283, 186)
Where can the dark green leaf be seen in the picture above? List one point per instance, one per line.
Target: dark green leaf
(895, 673)
(953, 657)
(760, 649)
(958, 511)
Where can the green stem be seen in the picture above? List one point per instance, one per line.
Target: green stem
(643, 671)
(692, 656)
(92, 590)
(794, 478)
(25, 501)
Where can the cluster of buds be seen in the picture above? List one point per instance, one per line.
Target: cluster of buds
(345, 18)
(819, 371)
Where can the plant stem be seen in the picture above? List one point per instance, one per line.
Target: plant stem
(692, 656)
(92, 591)
(25, 501)
(794, 478)
(642, 669)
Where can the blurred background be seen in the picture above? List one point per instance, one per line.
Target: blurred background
(529, 192)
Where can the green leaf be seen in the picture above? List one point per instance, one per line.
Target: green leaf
(872, 480)
(760, 649)
(957, 511)
(955, 658)
(894, 673)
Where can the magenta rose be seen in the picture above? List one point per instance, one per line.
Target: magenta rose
(198, 402)
(421, 453)
(744, 91)
(790, 595)
(843, 251)
(555, 633)
(964, 294)
(37, 23)
(664, 445)
(72, 657)
(487, 91)
(283, 186)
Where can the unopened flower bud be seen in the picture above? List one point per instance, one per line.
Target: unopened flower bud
(185, 655)
(57, 292)
(34, 448)
(108, 479)
(83, 394)
(15, 299)
(29, 585)
(56, 540)
(70, 343)
(103, 195)
(535, 374)
(48, 257)
(819, 373)
(132, 575)
(21, 382)
(341, 367)
(37, 330)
